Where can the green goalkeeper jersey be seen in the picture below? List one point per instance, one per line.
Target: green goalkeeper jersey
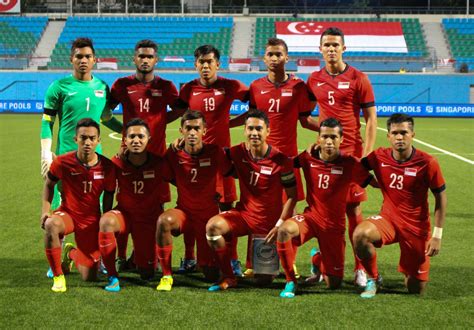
(72, 99)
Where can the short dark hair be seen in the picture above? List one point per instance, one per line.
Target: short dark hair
(398, 118)
(207, 49)
(87, 122)
(332, 123)
(332, 31)
(137, 122)
(81, 43)
(259, 114)
(146, 43)
(191, 115)
(276, 42)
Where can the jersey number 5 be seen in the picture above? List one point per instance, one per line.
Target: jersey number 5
(331, 100)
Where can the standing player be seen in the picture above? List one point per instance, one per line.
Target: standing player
(145, 95)
(84, 175)
(72, 98)
(341, 92)
(263, 173)
(139, 178)
(285, 100)
(404, 174)
(194, 171)
(328, 175)
(213, 96)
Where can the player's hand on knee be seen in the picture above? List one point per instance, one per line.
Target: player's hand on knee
(433, 247)
(271, 236)
(43, 219)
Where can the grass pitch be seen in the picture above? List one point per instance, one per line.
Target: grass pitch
(27, 301)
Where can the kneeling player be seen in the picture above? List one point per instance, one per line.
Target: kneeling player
(405, 174)
(84, 175)
(194, 170)
(139, 178)
(263, 173)
(328, 175)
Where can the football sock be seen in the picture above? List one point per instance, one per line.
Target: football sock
(80, 258)
(287, 258)
(248, 261)
(223, 258)
(232, 246)
(316, 260)
(164, 256)
(108, 249)
(122, 242)
(189, 243)
(54, 259)
(370, 266)
(354, 220)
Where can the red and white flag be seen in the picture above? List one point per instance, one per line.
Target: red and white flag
(239, 64)
(308, 65)
(107, 63)
(386, 37)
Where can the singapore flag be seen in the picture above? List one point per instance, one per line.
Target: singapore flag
(386, 37)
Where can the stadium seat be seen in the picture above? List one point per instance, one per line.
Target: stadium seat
(176, 36)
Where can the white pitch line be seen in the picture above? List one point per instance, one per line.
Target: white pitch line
(446, 152)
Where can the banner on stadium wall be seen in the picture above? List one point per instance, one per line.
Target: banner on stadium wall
(384, 37)
(10, 6)
(383, 109)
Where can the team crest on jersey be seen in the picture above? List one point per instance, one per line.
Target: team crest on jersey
(149, 174)
(98, 175)
(204, 162)
(99, 93)
(266, 170)
(343, 85)
(337, 170)
(156, 92)
(410, 171)
(219, 91)
(286, 92)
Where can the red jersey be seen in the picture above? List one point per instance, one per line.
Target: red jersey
(139, 188)
(147, 101)
(214, 102)
(342, 97)
(405, 187)
(82, 185)
(283, 104)
(261, 184)
(327, 185)
(195, 177)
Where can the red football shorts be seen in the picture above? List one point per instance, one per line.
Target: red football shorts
(86, 236)
(331, 243)
(143, 230)
(241, 225)
(195, 222)
(413, 261)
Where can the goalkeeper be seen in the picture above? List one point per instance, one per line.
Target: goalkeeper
(72, 98)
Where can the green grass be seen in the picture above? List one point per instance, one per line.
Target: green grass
(26, 299)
